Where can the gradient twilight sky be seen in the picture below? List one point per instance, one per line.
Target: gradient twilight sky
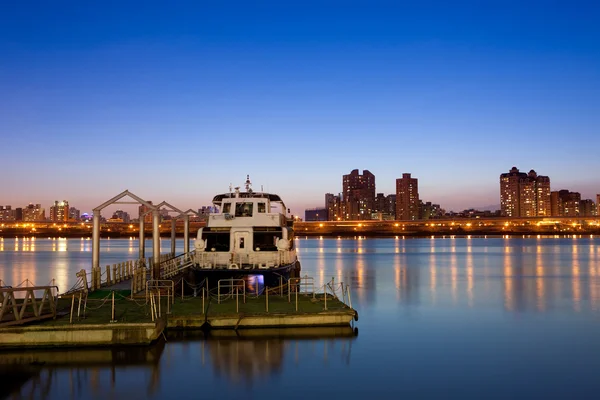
(176, 100)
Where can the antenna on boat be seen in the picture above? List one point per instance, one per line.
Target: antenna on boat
(230, 188)
(248, 184)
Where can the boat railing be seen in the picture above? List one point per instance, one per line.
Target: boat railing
(257, 260)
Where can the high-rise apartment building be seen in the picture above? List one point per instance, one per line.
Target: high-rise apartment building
(358, 195)
(333, 204)
(34, 213)
(7, 214)
(59, 212)
(565, 203)
(143, 209)
(587, 208)
(598, 204)
(74, 214)
(407, 198)
(524, 195)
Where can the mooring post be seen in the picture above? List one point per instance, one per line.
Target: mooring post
(325, 290)
(79, 307)
(289, 293)
(142, 240)
(296, 300)
(281, 286)
(155, 244)
(173, 236)
(113, 307)
(186, 233)
(349, 298)
(237, 307)
(182, 288)
(267, 296)
(96, 239)
(72, 307)
(202, 300)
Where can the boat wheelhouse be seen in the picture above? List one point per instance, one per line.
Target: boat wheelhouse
(249, 234)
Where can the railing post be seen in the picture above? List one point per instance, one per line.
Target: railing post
(267, 296)
(113, 307)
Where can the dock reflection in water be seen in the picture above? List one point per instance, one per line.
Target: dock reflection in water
(240, 358)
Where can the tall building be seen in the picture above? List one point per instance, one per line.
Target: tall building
(598, 204)
(587, 208)
(74, 214)
(565, 203)
(427, 210)
(123, 216)
(358, 195)
(407, 198)
(59, 212)
(34, 213)
(7, 214)
(524, 195)
(390, 204)
(333, 204)
(144, 209)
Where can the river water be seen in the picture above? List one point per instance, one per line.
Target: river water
(439, 318)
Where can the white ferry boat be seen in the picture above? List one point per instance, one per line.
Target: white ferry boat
(250, 234)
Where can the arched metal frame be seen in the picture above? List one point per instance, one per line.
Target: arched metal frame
(155, 210)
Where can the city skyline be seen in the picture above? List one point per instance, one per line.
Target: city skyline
(176, 103)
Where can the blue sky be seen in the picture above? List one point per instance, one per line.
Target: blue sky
(175, 101)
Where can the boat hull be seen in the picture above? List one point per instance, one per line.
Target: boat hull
(271, 277)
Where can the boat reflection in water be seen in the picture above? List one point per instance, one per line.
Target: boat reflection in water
(241, 357)
(245, 356)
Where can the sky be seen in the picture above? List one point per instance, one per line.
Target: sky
(175, 101)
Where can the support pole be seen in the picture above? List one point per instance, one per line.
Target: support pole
(72, 307)
(186, 233)
(142, 240)
(96, 240)
(113, 307)
(267, 294)
(173, 236)
(155, 244)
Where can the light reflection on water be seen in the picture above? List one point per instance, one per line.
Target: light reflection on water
(468, 317)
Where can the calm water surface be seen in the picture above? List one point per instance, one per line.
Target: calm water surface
(439, 318)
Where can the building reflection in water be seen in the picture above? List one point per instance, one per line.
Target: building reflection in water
(470, 281)
(576, 279)
(539, 279)
(508, 279)
(432, 275)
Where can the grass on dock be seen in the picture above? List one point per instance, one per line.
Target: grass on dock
(257, 305)
(98, 309)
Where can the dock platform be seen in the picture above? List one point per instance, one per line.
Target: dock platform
(115, 318)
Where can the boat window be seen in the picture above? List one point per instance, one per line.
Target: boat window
(243, 209)
(266, 240)
(216, 240)
(241, 243)
(261, 207)
(227, 208)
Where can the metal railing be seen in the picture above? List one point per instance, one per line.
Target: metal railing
(17, 310)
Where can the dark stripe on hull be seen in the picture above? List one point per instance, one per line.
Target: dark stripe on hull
(271, 276)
